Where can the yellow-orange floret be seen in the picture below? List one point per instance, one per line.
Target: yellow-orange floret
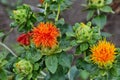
(103, 53)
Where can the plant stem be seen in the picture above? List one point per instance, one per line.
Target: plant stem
(84, 55)
(46, 5)
(98, 11)
(7, 34)
(44, 74)
(8, 49)
(58, 13)
(107, 75)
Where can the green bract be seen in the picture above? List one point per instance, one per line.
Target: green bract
(23, 67)
(96, 3)
(83, 32)
(49, 51)
(20, 15)
(23, 18)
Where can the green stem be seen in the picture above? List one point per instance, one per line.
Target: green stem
(46, 5)
(43, 73)
(107, 76)
(84, 55)
(98, 11)
(7, 34)
(8, 49)
(58, 13)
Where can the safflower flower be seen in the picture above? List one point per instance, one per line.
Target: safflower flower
(103, 53)
(24, 39)
(45, 35)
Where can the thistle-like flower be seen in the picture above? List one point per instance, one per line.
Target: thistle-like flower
(45, 35)
(23, 67)
(103, 54)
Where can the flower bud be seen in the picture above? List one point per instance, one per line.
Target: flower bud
(83, 33)
(50, 51)
(24, 39)
(23, 67)
(96, 3)
(19, 15)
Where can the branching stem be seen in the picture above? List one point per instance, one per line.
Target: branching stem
(2, 44)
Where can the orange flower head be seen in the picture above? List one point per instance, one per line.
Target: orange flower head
(24, 39)
(103, 53)
(45, 35)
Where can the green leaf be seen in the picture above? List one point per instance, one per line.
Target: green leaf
(3, 75)
(70, 34)
(65, 44)
(61, 21)
(52, 16)
(60, 74)
(64, 60)
(72, 73)
(19, 77)
(90, 14)
(36, 66)
(109, 1)
(84, 46)
(4, 1)
(106, 9)
(100, 21)
(1, 34)
(78, 51)
(73, 43)
(84, 74)
(105, 34)
(51, 63)
(33, 56)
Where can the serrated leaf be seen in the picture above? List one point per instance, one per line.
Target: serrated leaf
(51, 63)
(19, 77)
(72, 73)
(61, 21)
(33, 57)
(90, 14)
(105, 34)
(64, 60)
(100, 21)
(3, 75)
(84, 74)
(106, 9)
(109, 1)
(73, 43)
(84, 46)
(70, 34)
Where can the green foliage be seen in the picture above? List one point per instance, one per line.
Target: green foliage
(23, 18)
(70, 58)
(72, 73)
(3, 75)
(1, 34)
(100, 21)
(64, 60)
(84, 74)
(51, 63)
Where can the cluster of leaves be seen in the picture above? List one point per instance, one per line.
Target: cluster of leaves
(31, 64)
